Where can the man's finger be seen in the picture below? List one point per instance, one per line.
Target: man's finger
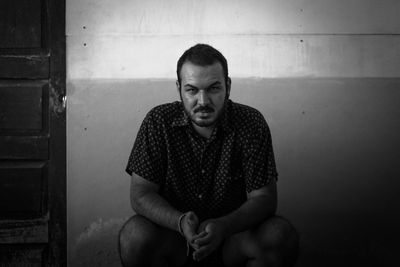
(194, 246)
(201, 241)
(192, 219)
(201, 253)
(193, 239)
(199, 235)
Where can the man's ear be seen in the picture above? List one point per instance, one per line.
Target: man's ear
(228, 87)
(178, 86)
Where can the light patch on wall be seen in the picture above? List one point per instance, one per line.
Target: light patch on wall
(132, 57)
(97, 245)
(232, 17)
(261, 38)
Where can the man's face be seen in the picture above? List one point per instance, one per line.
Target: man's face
(203, 92)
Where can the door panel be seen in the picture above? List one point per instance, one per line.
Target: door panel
(21, 23)
(23, 255)
(24, 233)
(24, 105)
(32, 133)
(24, 185)
(24, 66)
(24, 147)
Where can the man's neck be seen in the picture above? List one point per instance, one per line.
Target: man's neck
(204, 131)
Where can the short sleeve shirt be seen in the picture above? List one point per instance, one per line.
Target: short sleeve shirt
(208, 176)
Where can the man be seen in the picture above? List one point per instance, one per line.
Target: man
(204, 179)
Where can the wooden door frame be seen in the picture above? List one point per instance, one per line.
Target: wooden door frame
(57, 122)
(44, 65)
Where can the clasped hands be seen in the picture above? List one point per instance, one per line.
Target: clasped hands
(203, 237)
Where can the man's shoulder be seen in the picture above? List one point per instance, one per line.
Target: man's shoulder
(245, 116)
(164, 113)
(248, 123)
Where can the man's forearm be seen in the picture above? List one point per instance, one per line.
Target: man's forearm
(154, 207)
(251, 213)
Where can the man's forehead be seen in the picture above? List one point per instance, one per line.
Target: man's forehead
(191, 71)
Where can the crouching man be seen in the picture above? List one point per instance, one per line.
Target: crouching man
(204, 179)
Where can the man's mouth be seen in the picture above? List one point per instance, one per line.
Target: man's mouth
(204, 110)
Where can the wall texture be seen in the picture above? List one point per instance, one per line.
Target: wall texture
(325, 74)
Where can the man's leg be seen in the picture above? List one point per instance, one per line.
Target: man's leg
(274, 243)
(144, 243)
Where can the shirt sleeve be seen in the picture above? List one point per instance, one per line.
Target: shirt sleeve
(147, 158)
(259, 162)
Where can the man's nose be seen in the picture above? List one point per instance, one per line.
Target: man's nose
(203, 98)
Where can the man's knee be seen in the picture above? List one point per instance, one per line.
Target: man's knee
(275, 232)
(278, 238)
(137, 239)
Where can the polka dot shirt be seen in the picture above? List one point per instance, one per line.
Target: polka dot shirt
(208, 176)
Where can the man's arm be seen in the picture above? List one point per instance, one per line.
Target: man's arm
(260, 205)
(146, 201)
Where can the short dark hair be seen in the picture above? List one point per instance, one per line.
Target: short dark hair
(202, 55)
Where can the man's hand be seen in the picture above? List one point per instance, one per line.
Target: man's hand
(189, 225)
(211, 234)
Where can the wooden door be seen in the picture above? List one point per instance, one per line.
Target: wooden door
(32, 133)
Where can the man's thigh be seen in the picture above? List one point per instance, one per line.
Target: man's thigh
(141, 238)
(235, 250)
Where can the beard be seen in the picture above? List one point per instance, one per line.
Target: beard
(205, 123)
(192, 117)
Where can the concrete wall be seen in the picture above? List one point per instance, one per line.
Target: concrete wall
(325, 74)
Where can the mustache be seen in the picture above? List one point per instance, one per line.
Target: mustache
(203, 109)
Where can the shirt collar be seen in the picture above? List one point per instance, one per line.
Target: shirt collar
(182, 118)
(225, 123)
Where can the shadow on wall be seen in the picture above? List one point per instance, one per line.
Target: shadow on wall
(98, 244)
